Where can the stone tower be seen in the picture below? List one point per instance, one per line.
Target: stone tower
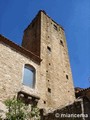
(46, 39)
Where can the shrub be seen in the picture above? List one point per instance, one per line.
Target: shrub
(17, 110)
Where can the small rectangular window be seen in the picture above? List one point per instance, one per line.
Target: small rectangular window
(49, 90)
(61, 42)
(55, 27)
(49, 49)
(44, 102)
(67, 76)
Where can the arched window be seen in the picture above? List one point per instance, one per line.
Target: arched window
(29, 76)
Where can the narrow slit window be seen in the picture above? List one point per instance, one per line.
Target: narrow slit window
(61, 42)
(49, 90)
(44, 102)
(49, 49)
(67, 76)
(55, 27)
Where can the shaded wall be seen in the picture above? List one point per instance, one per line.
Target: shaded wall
(75, 108)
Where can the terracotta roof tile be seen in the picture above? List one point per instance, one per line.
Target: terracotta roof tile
(80, 92)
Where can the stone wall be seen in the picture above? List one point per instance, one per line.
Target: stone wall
(31, 38)
(73, 110)
(55, 61)
(86, 104)
(11, 73)
(56, 77)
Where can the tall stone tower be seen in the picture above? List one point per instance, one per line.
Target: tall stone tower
(46, 39)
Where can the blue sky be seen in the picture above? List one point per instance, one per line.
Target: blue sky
(73, 15)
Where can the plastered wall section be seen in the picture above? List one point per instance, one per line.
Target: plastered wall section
(55, 65)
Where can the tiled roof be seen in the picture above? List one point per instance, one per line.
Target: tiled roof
(80, 92)
(82, 89)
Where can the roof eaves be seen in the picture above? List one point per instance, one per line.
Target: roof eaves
(20, 49)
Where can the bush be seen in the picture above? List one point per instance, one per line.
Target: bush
(17, 110)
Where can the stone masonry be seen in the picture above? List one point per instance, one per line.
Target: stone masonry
(54, 84)
(48, 37)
